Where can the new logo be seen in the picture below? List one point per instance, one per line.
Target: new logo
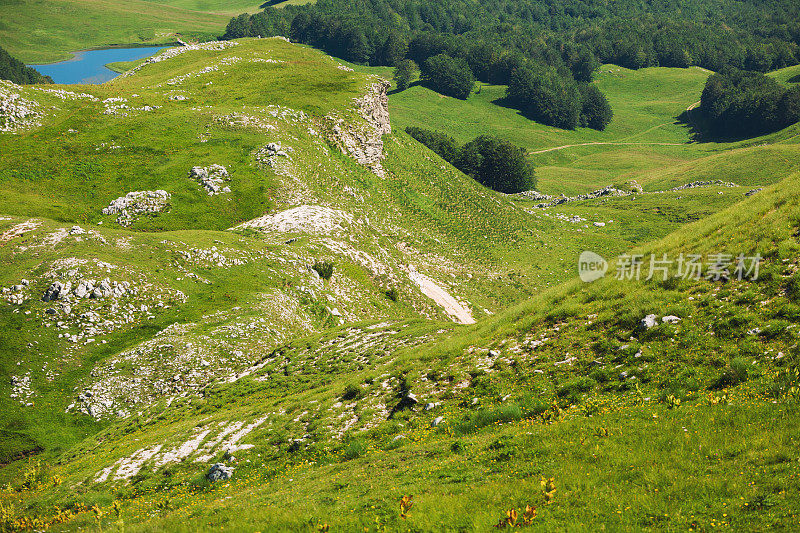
(591, 266)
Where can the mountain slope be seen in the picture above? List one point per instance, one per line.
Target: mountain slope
(181, 329)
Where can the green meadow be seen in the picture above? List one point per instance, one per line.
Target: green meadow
(334, 399)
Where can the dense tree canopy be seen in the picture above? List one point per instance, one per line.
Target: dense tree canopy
(545, 96)
(596, 112)
(737, 103)
(553, 47)
(493, 162)
(15, 70)
(448, 75)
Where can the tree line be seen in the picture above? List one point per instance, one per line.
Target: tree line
(547, 51)
(748, 34)
(15, 70)
(737, 103)
(489, 160)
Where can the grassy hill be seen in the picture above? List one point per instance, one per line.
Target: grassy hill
(645, 141)
(48, 31)
(334, 398)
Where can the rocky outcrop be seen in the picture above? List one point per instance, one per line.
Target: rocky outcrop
(129, 207)
(634, 188)
(364, 141)
(16, 113)
(212, 178)
(173, 52)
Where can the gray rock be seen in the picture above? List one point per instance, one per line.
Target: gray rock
(56, 290)
(82, 291)
(436, 421)
(219, 471)
(649, 321)
(670, 319)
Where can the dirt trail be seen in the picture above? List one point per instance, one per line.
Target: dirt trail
(604, 143)
(457, 311)
(621, 143)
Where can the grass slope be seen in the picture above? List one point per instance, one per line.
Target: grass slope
(71, 25)
(233, 350)
(645, 141)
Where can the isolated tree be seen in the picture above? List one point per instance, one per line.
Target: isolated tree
(498, 164)
(404, 72)
(448, 75)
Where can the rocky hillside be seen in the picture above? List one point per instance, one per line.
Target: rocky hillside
(232, 294)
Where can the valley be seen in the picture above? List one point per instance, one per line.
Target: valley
(232, 258)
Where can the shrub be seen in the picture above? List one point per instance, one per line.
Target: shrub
(393, 294)
(354, 448)
(733, 375)
(352, 392)
(324, 269)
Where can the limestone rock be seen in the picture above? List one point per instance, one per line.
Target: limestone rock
(219, 471)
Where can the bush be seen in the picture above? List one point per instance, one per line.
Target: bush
(352, 392)
(324, 269)
(734, 374)
(354, 448)
(448, 75)
(392, 294)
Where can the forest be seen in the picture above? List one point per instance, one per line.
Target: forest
(737, 103)
(15, 70)
(547, 51)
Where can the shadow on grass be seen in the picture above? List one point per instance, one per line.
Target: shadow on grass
(699, 131)
(395, 90)
(794, 79)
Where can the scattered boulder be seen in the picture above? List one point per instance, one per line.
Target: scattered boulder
(56, 291)
(135, 203)
(670, 319)
(649, 321)
(219, 471)
(436, 421)
(212, 178)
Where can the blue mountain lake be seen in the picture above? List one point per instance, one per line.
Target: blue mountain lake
(90, 66)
